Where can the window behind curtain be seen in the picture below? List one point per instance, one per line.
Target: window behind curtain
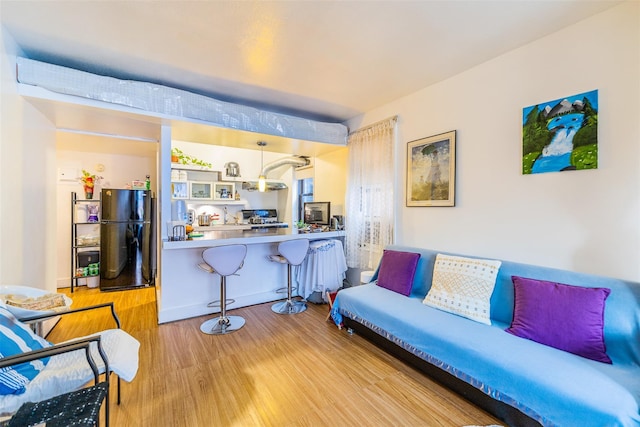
(370, 195)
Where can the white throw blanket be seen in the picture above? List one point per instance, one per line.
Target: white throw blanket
(69, 371)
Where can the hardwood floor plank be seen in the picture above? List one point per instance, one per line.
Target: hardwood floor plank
(276, 371)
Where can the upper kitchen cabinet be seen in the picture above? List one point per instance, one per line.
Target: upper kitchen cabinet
(180, 190)
(199, 185)
(179, 184)
(224, 191)
(201, 190)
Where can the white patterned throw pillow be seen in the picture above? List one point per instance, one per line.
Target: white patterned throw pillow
(463, 286)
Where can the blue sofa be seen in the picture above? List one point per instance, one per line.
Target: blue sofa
(520, 381)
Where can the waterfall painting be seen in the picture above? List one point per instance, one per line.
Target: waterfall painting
(561, 135)
(431, 170)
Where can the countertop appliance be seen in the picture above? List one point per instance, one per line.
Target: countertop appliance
(127, 239)
(262, 218)
(338, 221)
(204, 220)
(178, 210)
(318, 213)
(232, 169)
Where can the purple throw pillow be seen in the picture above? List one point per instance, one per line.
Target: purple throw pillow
(397, 270)
(569, 318)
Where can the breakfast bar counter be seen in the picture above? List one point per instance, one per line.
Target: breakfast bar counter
(184, 291)
(247, 237)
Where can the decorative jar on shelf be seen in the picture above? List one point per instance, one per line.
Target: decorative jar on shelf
(88, 192)
(89, 180)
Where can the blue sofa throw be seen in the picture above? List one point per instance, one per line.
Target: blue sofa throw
(551, 386)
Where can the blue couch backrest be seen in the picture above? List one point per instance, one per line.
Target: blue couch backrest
(622, 310)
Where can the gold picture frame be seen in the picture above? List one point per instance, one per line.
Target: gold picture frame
(431, 170)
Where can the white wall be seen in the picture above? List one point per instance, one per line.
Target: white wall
(330, 183)
(10, 130)
(581, 220)
(27, 185)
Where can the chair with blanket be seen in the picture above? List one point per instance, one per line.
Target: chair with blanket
(34, 370)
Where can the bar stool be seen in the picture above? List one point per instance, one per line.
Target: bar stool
(225, 261)
(290, 252)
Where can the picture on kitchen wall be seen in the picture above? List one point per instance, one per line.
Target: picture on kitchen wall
(431, 170)
(561, 135)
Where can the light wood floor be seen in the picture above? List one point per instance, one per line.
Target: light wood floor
(276, 371)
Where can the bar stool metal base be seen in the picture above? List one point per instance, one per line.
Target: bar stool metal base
(289, 307)
(222, 325)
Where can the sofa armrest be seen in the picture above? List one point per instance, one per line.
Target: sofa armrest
(41, 317)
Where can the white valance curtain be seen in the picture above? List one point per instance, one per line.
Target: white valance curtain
(370, 198)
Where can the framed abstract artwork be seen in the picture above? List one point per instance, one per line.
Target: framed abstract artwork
(431, 170)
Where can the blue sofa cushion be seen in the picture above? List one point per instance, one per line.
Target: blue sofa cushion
(397, 269)
(17, 338)
(463, 286)
(566, 317)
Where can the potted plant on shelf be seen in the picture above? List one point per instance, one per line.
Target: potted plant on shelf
(177, 156)
(176, 153)
(89, 181)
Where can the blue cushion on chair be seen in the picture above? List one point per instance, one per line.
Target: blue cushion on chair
(16, 338)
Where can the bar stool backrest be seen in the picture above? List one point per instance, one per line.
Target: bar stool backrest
(295, 251)
(225, 260)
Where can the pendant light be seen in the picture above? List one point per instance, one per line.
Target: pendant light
(262, 180)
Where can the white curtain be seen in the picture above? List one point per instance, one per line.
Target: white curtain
(370, 199)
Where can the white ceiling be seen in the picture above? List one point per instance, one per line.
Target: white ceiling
(325, 60)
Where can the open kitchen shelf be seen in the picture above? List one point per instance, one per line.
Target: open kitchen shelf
(191, 168)
(82, 246)
(240, 202)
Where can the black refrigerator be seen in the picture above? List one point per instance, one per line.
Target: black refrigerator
(127, 239)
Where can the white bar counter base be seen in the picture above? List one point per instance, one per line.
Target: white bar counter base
(185, 290)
